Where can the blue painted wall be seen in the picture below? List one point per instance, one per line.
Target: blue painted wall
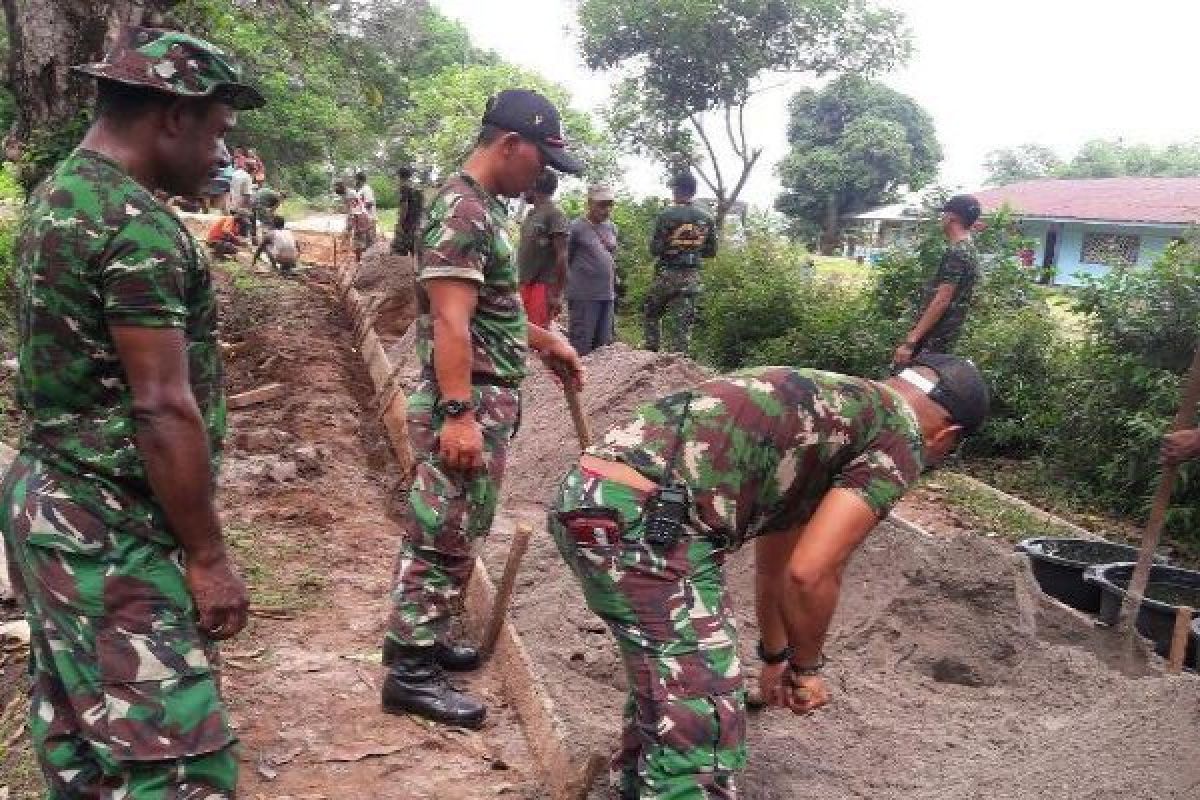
(1068, 262)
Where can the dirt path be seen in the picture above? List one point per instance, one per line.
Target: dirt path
(307, 485)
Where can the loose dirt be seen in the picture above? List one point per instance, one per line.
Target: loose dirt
(948, 684)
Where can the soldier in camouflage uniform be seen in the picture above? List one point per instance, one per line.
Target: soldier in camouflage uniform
(947, 296)
(109, 519)
(472, 342)
(683, 235)
(804, 462)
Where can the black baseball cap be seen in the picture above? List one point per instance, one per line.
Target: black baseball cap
(528, 113)
(960, 389)
(965, 206)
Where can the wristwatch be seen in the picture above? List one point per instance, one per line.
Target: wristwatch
(455, 408)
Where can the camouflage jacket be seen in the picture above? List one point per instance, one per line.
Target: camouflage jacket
(960, 267)
(760, 448)
(683, 234)
(96, 249)
(466, 237)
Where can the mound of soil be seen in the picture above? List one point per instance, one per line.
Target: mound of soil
(946, 684)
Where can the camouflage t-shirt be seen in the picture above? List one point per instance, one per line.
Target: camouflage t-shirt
(960, 267)
(466, 237)
(683, 234)
(762, 447)
(95, 250)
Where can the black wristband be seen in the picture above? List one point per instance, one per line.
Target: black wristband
(774, 658)
(807, 671)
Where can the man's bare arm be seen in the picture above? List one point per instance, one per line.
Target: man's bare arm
(814, 579)
(933, 314)
(452, 303)
(173, 443)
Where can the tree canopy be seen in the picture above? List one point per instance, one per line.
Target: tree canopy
(853, 145)
(692, 65)
(1098, 158)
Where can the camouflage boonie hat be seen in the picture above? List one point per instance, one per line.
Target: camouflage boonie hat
(173, 62)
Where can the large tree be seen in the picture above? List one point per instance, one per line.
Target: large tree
(1026, 162)
(443, 118)
(46, 38)
(854, 144)
(692, 66)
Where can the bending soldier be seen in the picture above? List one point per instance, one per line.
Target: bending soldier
(804, 462)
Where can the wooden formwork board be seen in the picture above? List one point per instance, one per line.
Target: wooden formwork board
(543, 728)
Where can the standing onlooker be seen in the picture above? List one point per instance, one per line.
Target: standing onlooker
(358, 221)
(592, 273)
(255, 166)
(366, 193)
(472, 339)
(683, 235)
(410, 205)
(109, 516)
(241, 190)
(217, 191)
(542, 252)
(947, 296)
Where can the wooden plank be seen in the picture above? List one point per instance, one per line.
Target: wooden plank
(262, 394)
(508, 582)
(396, 422)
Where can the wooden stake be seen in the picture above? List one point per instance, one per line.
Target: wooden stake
(1184, 419)
(1179, 640)
(504, 593)
(581, 426)
(591, 770)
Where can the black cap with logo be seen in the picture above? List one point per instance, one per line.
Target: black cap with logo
(960, 388)
(526, 112)
(965, 206)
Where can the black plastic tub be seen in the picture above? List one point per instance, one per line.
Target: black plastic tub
(1167, 589)
(1058, 565)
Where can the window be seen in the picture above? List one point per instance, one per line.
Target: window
(1110, 249)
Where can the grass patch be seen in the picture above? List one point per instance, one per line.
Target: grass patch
(982, 511)
(268, 561)
(846, 270)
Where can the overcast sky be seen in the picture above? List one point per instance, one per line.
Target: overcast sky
(994, 74)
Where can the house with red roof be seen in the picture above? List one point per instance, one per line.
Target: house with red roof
(1086, 227)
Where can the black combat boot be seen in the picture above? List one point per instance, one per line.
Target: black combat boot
(456, 657)
(416, 685)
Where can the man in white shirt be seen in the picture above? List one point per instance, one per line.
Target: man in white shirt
(241, 190)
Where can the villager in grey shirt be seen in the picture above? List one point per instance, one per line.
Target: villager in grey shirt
(591, 273)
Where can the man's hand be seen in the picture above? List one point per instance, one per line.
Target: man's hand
(770, 683)
(804, 694)
(561, 359)
(222, 603)
(1181, 446)
(903, 355)
(461, 443)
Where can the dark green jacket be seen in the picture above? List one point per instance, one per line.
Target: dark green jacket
(683, 234)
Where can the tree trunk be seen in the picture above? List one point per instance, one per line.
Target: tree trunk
(47, 38)
(830, 235)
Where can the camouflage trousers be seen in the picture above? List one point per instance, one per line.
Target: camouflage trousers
(684, 735)
(447, 512)
(673, 294)
(124, 701)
